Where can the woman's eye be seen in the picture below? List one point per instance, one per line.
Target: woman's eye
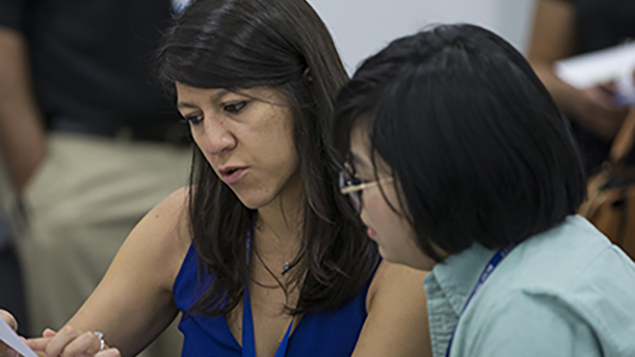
(361, 180)
(193, 119)
(356, 181)
(234, 108)
(364, 178)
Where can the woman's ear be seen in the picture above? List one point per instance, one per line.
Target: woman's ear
(308, 76)
(309, 80)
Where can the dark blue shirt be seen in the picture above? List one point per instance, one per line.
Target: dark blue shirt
(321, 333)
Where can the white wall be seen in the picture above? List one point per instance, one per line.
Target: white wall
(362, 27)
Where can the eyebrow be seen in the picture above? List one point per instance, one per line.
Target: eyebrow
(213, 99)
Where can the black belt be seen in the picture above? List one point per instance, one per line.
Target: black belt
(175, 133)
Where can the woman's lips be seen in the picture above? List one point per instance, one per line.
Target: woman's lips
(234, 175)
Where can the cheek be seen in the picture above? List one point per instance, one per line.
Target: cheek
(391, 227)
(273, 144)
(381, 217)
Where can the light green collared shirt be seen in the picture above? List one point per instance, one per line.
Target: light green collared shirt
(565, 292)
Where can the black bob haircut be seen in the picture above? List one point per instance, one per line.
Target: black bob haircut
(473, 138)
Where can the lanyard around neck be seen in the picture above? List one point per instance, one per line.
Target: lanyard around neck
(493, 263)
(248, 337)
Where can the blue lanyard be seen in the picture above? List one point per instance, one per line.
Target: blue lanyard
(249, 341)
(493, 263)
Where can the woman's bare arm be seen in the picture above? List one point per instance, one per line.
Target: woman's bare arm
(133, 303)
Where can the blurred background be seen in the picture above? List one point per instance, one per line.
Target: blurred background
(362, 27)
(84, 109)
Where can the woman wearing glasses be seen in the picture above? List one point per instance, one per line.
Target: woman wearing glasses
(458, 159)
(261, 254)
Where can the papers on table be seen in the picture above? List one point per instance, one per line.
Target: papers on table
(615, 64)
(10, 338)
(604, 66)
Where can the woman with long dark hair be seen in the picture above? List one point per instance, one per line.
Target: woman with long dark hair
(458, 159)
(260, 253)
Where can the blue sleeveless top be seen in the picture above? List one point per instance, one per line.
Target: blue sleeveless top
(320, 333)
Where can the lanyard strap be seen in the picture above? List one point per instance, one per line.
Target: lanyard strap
(489, 269)
(249, 341)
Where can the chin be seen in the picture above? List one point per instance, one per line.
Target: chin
(424, 263)
(254, 202)
(391, 258)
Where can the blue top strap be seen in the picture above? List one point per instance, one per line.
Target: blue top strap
(249, 340)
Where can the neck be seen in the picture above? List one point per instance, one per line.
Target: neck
(283, 217)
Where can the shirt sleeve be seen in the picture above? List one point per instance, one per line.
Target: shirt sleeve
(13, 13)
(532, 325)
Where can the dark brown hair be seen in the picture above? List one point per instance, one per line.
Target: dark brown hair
(282, 44)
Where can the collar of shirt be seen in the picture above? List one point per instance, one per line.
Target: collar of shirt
(448, 287)
(459, 273)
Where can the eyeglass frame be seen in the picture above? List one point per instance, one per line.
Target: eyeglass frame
(354, 191)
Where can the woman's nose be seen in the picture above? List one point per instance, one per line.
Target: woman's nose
(217, 138)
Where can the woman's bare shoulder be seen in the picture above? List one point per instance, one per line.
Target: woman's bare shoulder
(170, 216)
(391, 277)
(162, 238)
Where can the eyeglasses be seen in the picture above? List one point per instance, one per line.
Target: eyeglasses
(353, 187)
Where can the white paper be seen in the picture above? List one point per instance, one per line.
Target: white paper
(8, 336)
(599, 67)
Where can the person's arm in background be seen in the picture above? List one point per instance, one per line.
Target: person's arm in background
(554, 38)
(22, 138)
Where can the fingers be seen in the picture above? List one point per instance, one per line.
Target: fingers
(85, 344)
(8, 318)
(609, 87)
(38, 344)
(68, 342)
(112, 352)
(599, 98)
(49, 333)
(63, 338)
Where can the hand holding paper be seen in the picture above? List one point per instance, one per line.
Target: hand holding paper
(11, 345)
(69, 342)
(599, 113)
(611, 65)
(9, 319)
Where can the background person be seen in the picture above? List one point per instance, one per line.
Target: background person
(90, 144)
(565, 28)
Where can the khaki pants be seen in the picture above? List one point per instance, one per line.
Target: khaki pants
(80, 206)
